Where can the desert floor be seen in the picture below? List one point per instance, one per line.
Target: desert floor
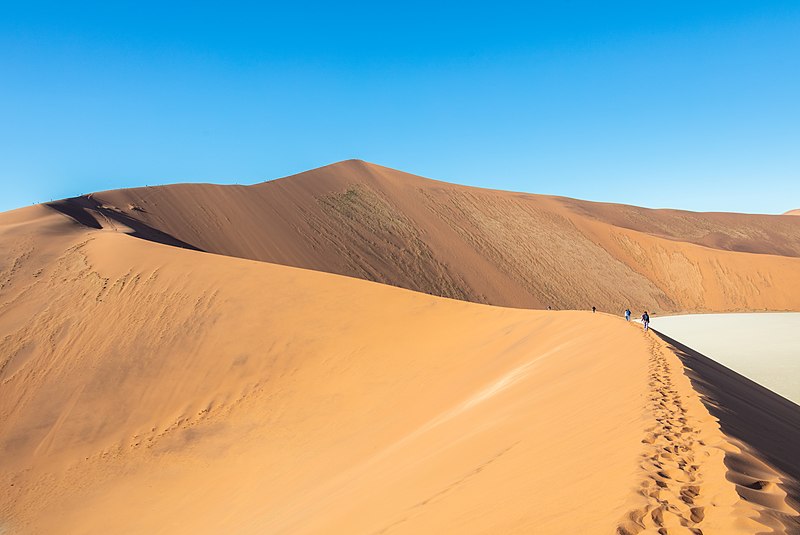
(764, 347)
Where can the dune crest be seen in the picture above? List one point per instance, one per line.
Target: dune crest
(503, 248)
(154, 388)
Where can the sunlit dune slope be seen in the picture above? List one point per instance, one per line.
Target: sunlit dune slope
(793, 212)
(510, 249)
(154, 389)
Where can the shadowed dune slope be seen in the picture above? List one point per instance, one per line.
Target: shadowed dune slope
(510, 249)
(760, 419)
(149, 388)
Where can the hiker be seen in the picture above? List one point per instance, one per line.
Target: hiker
(646, 320)
(627, 314)
(593, 309)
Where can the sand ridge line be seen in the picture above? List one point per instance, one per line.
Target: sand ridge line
(752, 422)
(689, 482)
(345, 371)
(502, 248)
(671, 461)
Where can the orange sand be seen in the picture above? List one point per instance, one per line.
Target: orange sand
(508, 249)
(153, 389)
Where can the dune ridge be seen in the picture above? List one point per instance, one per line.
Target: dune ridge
(686, 449)
(486, 246)
(763, 427)
(159, 389)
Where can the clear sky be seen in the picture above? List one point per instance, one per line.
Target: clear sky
(680, 104)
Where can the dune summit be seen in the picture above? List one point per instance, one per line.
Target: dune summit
(151, 387)
(508, 249)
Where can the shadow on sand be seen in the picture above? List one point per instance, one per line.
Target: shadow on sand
(84, 210)
(748, 412)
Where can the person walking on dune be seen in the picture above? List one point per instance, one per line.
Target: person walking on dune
(646, 320)
(594, 309)
(627, 314)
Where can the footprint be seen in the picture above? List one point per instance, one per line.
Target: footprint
(628, 528)
(698, 514)
(658, 516)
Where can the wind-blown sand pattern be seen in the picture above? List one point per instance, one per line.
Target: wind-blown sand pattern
(150, 387)
(509, 249)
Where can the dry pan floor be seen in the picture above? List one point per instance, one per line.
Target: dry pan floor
(150, 389)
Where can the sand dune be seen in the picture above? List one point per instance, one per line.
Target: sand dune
(510, 249)
(150, 388)
(793, 212)
(761, 426)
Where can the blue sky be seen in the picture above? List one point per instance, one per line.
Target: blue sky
(691, 105)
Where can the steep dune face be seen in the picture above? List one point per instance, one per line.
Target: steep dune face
(502, 248)
(749, 413)
(152, 389)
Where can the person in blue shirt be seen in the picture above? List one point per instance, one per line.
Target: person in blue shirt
(627, 314)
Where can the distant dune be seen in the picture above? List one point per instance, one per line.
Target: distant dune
(510, 249)
(151, 388)
(793, 212)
